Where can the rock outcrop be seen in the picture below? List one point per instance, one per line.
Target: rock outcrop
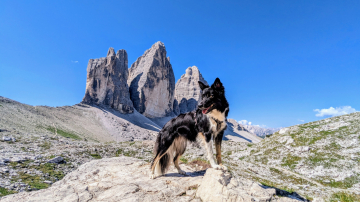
(126, 179)
(152, 83)
(106, 82)
(187, 91)
(219, 186)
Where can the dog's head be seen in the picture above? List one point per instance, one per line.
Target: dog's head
(213, 97)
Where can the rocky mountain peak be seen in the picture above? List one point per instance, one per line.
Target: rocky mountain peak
(152, 83)
(106, 82)
(111, 52)
(187, 90)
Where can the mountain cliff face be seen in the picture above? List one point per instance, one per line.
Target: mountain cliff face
(152, 83)
(187, 91)
(106, 82)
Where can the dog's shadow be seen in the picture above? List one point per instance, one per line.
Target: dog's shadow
(188, 174)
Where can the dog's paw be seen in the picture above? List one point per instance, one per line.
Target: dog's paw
(181, 172)
(223, 167)
(152, 176)
(217, 167)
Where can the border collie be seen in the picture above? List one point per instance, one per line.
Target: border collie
(207, 123)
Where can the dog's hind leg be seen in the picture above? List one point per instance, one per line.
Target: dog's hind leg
(176, 163)
(179, 148)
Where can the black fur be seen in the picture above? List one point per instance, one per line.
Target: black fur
(190, 124)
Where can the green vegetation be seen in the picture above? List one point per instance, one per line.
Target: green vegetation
(267, 183)
(46, 145)
(34, 181)
(344, 197)
(290, 161)
(275, 170)
(242, 158)
(345, 184)
(184, 160)
(333, 147)
(50, 169)
(96, 156)
(313, 126)
(4, 192)
(309, 198)
(264, 160)
(63, 133)
(290, 190)
(125, 153)
(321, 158)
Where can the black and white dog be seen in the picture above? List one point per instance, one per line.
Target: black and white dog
(207, 123)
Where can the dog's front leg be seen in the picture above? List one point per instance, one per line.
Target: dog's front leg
(208, 145)
(218, 140)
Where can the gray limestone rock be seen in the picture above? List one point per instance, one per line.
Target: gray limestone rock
(187, 91)
(126, 179)
(152, 83)
(106, 82)
(57, 159)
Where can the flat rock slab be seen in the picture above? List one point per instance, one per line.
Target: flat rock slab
(115, 179)
(127, 179)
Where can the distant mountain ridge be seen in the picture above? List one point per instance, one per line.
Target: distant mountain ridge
(259, 131)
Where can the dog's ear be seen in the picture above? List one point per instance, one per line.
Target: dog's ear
(202, 85)
(218, 86)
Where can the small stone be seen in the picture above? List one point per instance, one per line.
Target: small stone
(4, 138)
(17, 159)
(57, 159)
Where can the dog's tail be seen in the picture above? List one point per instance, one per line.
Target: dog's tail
(162, 157)
(167, 152)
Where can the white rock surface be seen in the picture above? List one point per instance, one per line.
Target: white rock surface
(106, 82)
(152, 83)
(187, 91)
(126, 179)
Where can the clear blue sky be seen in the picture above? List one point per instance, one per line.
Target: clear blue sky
(278, 60)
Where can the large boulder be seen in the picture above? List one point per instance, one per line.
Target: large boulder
(152, 83)
(221, 186)
(106, 82)
(187, 91)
